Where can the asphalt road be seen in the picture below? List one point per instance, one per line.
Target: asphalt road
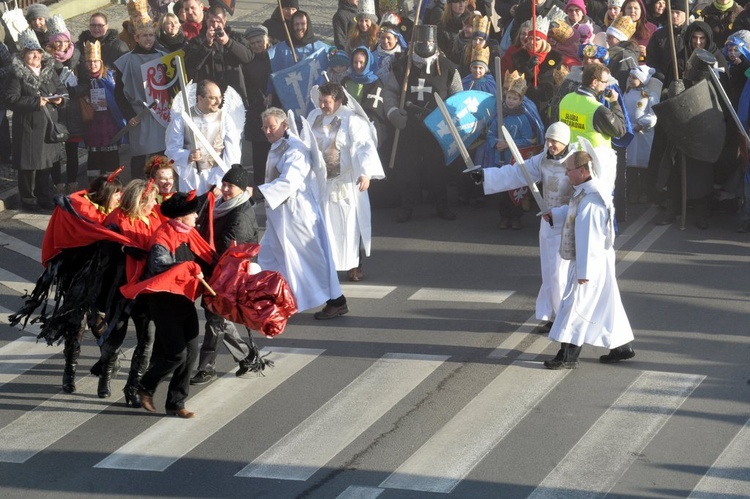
(432, 386)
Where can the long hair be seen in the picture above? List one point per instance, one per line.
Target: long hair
(368, 38)
(641, 28)
(101, 191)
(448, 13)
(134, 197)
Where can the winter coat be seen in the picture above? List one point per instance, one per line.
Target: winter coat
(256, 74)
(238, 225)
(343, 20)
(112, 48)
(219, 63)
(275, 27)
(722, 23)
(169, 44)
(70, 115)
(30, 150)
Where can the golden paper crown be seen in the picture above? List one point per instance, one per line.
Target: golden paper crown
(559, 29)
(138, 8)
(92, 51)
(514, 82)
(481, 25)
(480, 55)
(559, 74)
(625, 25)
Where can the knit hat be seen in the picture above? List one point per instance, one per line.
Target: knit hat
(559, 132)
(338, 57)
(290, 4)
(180, 204)
(615, 3)
(643, 73)
(366, 10)
(254, 31)
(678, 5)
(236, 176)
(576, 3)
(37, 10)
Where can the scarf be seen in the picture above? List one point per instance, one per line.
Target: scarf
(723, 7)
(222, 207)
(179, 226)
(368, 75)
(191, 29)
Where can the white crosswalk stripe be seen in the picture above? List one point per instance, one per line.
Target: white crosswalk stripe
(36, 220)
(21, 247)
(476, 430)
(216, 405)
(339, 421)
(643, 409)
(461, 295)
(22, 354)
(729, 476)
(55, 418)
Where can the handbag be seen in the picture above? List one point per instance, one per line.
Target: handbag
(87, 110)
(56, 132)
(15, 21)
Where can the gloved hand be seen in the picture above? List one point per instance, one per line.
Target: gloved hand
(397, 118)
(136, 253)
(477, 175)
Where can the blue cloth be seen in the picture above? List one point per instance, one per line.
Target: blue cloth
(484, 84)
(281, 57)
(525, 127)
(368, 74)
(626, 139)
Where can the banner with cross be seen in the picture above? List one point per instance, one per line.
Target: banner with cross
(293, 84)
(471, 110)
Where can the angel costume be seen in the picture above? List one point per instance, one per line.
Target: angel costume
(221, 129)
(556, 191)
(592, 312)
(296, 241)
(348, 145)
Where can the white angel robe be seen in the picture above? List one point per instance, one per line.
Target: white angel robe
(346, 209)
(221, 131)
(296, 241)
(556, 191)
(590, 313)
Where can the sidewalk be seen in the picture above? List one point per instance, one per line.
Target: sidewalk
(247, 13)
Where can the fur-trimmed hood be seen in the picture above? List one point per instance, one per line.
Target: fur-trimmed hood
(28, 78)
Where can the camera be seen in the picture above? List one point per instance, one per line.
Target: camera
(608, 93)
(218, 32)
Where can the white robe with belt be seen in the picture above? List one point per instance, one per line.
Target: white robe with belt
(296, 241)
(557, 192)
(591, 313)
(345, 207)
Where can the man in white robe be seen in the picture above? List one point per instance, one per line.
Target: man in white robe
(349, 151)
(591, 311)
(549, 168)
(296, 240)
(196, 168)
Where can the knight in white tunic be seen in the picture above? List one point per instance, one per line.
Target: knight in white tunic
(348, 147)
(591, 311)
(196, 167)
(549, 168)
(296, 240)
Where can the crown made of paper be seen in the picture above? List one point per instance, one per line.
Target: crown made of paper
(138, 8)
(480, 55)
(559, 74)
(625, 25)
(514, 82)
(27, 40)
(55, 25)
(366, 10)
(542, 26)
(141, 23)
(386, 6)
(560, 30)
(481, 25)
(92, 51)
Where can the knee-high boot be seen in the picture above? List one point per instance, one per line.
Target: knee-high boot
(138, 367)
(71, 351)
(108, 360)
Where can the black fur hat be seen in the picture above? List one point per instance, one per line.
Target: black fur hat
(180, 204)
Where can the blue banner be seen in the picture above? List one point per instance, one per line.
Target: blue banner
(471, 111)
(293, 84)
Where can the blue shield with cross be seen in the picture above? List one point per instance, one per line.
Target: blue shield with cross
(471, 110)
(293, 84)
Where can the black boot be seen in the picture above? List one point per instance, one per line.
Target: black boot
(71, 351)
(108, 360)
(566, 358)
(138, 367)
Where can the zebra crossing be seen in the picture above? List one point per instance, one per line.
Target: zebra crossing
(377, 390)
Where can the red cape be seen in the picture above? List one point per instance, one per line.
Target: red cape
(140, 234)
(76, 224)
